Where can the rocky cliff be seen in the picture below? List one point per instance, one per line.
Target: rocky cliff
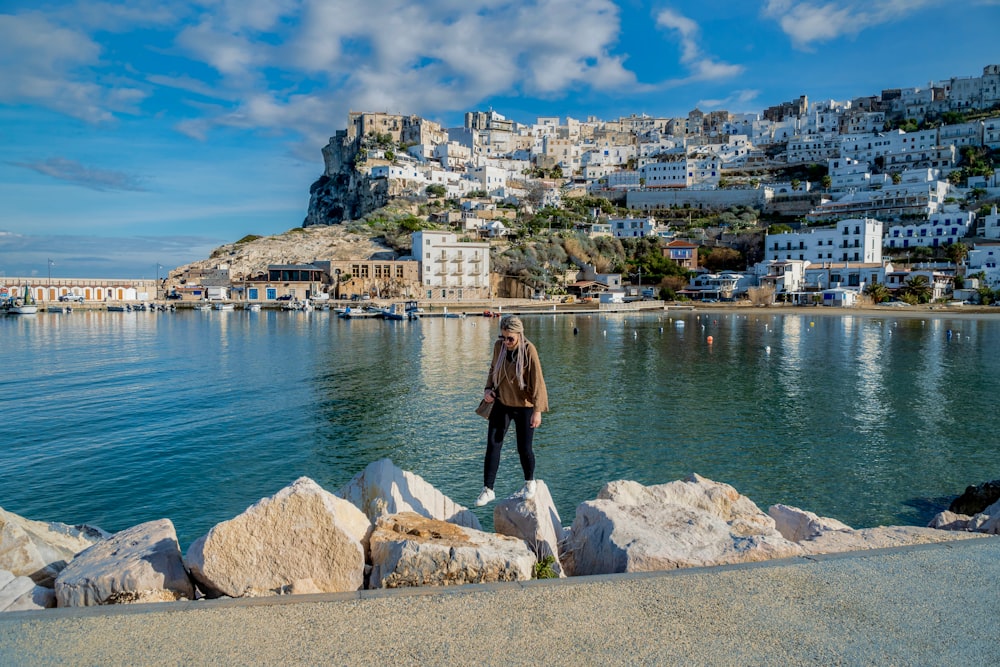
(344, 192)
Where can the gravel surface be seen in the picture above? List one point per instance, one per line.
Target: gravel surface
(926, 605)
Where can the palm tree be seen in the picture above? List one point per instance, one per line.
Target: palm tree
(957, 252)
(918, 287)
(878, 292)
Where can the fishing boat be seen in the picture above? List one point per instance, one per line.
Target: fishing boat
(24, 306)
(224, 306)
(253, 307)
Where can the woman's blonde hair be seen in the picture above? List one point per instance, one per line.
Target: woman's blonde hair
(512, 324)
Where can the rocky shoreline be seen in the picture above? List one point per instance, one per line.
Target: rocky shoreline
(389, 528)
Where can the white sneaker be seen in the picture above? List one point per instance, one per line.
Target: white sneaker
(529, 489)
(485, 496)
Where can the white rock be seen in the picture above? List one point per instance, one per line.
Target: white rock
(382, 488)
(689, 523)
(140, 564)
(949, 521)
(40, 550)
(412, 550)
(535, 521)
(880, 537)
(987, 521)
(798, 525)
(301, 539)
(23, 594)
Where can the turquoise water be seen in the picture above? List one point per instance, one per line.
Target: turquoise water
(118, 418)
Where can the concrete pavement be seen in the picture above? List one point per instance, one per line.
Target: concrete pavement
(924, 605)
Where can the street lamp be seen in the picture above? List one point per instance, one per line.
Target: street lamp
(157, 286)
(49, 289)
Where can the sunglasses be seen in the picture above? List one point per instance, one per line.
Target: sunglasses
(509, 339)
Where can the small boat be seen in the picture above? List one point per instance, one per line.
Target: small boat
(352, 314)
(56, 309)
(24, 306)
(224, 306)
(413, 310)
(118, 309)
(203, 306)
(252, 307)
(393, 313)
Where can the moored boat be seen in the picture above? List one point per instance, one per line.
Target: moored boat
(23, 306)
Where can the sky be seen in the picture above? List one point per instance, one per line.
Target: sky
(137, 136)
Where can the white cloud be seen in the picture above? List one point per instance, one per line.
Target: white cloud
(809, 22)
(736, 101)
(700, 66)
(40, 62)
(297, 66)
(94, 178)
(399, 56)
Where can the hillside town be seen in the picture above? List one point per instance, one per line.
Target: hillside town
(889, 196)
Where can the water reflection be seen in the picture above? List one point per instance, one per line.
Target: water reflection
(127, 417)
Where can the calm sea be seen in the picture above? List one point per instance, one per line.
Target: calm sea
(115, 419)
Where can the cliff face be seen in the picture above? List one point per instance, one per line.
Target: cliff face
(342, 192)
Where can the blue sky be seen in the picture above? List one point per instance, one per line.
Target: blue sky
(148, 132)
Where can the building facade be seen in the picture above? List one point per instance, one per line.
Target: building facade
(852, 240)
(449, 268)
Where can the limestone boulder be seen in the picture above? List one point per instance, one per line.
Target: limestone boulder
(880, 537)
(987, 521)
(302, 539)
(40, 549)
(689, 523)
(383, 488)
(411, 550)
(949, 521)
(23, 594)
(535, 521)
(798, 525)
(140, 564)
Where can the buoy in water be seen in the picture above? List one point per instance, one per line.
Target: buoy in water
(710, 340)
(767, 349)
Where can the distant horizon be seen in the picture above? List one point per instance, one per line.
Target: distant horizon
(140, 133)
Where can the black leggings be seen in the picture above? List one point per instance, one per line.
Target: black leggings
(500, 419)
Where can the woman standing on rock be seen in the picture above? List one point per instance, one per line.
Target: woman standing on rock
(516, 388)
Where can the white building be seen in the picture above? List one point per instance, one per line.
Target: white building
(991, 224)
(450, 269)
(866, 147)
(490, 178)
(832, 275)
(847, 174)
(852, 240)
(628, 228)
(984, 257)
(892, 202)
(940, 229)
(782, 275)
(808, 148)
